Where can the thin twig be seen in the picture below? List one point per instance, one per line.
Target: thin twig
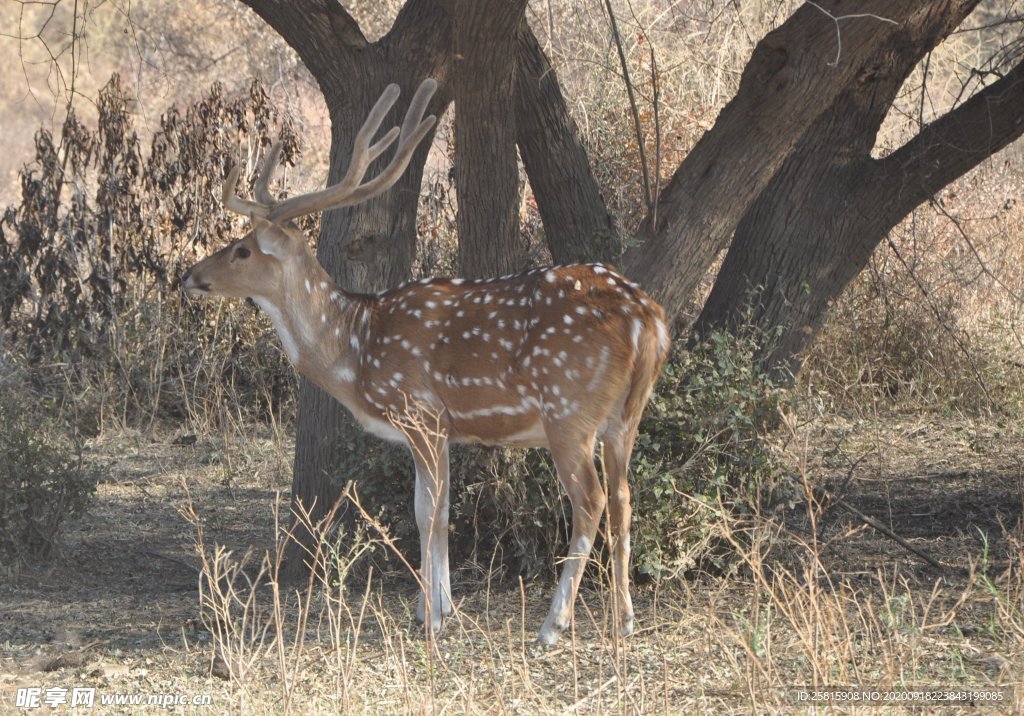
(839, 35)
(632, 105)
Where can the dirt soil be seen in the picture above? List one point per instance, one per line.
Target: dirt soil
(117, 606)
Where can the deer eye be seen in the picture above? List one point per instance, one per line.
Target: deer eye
(242, 253)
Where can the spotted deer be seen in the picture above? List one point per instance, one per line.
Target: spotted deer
(555, 357)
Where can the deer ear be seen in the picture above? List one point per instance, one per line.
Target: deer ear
(270, 237)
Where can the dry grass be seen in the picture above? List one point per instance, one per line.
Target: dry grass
(733, 645)
(818, 603)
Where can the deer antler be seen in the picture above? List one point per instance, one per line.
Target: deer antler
(350, 190)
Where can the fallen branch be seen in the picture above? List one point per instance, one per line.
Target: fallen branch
(872, 522)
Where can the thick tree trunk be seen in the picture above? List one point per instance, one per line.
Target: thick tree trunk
(796, 73)
(577, 224)
(366, 247)
(486, 166)
(817, 223)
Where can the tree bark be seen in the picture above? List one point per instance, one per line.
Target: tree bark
(486, 166)
(796, 73)
(576, 221)
(816, 225)
(366, 247)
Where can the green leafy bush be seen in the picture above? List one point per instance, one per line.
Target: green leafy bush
(42, 481)
(702, 449)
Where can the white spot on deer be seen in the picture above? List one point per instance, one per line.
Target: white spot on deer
(344, 373)
(323, 318)
(634, 333)
(353, 340)
(602, 365)
(663, 340)
(567, 319)
(309, 287)
(323, 285)
(550, 276)
(458, 281)
(599, 269)
(582, 310)
(337, 333)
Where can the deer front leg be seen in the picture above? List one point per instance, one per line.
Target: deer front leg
(432, 501)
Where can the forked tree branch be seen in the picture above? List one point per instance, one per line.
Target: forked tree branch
(322, 32)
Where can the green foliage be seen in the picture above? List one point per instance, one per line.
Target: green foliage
(42, 482)
(701, 449)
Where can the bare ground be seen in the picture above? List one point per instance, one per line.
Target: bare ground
(117, 609)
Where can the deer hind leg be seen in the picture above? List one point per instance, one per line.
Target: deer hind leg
(432, 501)
(618, 442)
(575, 466)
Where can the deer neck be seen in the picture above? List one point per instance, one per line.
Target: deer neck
(318, 325)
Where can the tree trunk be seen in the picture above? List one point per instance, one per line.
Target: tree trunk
(486, 166)
(576, 221)
(817, 223)
(796, 73)
(372, 245)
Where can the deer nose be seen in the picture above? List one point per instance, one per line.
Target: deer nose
(191, 286)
